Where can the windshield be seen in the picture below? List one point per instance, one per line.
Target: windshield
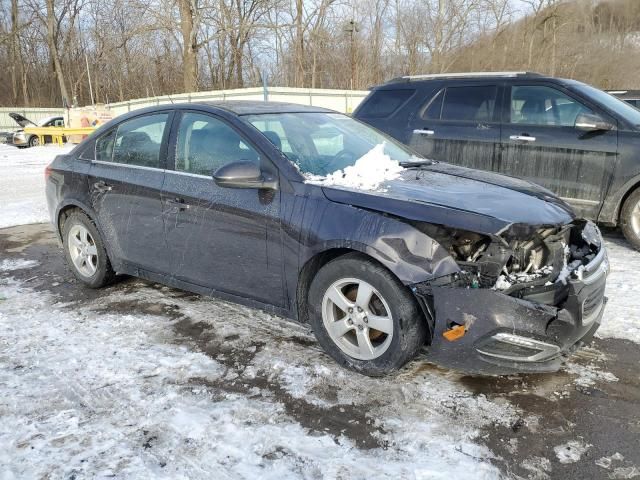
(626, 111)
(320, 144)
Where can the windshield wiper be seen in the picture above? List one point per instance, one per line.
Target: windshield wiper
(416, 163)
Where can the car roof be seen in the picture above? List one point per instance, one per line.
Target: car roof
(409, 80)
(254, 107)
(44, 120)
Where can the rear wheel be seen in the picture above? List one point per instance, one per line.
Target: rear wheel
(85, 252)
(630, 218)
(364, 317)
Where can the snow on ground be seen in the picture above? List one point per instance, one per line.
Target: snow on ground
(103, 394)
(622, 313)
(367, 173)
(22, 183)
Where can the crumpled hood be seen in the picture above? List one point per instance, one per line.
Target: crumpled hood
(460, 197)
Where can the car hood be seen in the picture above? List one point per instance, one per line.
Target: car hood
(21, 120)
(460, 197)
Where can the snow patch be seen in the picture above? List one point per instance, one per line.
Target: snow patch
(589, 375)
(10, 265)
(572, 451)
(621, 318)
(367, 173)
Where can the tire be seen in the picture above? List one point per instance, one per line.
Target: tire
(86, 256)
(630, 219)
(34, 141)
(391, 307)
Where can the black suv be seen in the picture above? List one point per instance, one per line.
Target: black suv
(579, 142)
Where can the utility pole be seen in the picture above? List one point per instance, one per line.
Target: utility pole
(352, 29)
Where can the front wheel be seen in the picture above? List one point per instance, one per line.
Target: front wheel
(364, 317)
(34, 141)
(630, 219)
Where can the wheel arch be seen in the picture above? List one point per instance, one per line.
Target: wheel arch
(612, 209)
(332, 251)
(65, 208)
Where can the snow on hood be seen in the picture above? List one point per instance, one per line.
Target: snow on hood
(367, 173)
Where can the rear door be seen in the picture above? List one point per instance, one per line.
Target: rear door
(541, 144)
(125, 181)
(460, 125)
(226, 239)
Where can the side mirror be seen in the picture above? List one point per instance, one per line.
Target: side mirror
(588, 122)
(243, 174)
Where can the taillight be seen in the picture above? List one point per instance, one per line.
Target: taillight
(47, 171)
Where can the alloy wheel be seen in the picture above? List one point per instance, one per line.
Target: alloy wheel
(83, 251)
(357, 318)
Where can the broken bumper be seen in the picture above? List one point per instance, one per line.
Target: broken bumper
(504, 334)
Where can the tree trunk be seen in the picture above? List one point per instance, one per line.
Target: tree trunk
(190, 47)
(299, 45)
(53, 51)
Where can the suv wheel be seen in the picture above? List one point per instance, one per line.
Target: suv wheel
(630, 218)
(85, 252)
(364, 317)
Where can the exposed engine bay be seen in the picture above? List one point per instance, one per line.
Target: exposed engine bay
(518, 259)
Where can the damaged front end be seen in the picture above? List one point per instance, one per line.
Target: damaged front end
(522, 299)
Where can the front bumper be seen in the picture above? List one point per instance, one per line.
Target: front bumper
(507, 335)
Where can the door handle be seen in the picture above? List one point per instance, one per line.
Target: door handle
(177, 203)
(102, 187)
(423, 131)
(522, 138)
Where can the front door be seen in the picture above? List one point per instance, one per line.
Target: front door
(459, 125)
(125, 181)
(226, 239)
(541, 144)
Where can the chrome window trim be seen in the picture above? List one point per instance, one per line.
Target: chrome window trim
(138, 167)
(189, 174)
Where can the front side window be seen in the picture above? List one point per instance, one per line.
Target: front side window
(434, 108)
(540, 105)
(206, 143)
(470, 104)
(138, 141)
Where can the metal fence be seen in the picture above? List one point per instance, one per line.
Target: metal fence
(344, 101)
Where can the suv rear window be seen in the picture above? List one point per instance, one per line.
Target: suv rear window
(384, 102)
(471, 104)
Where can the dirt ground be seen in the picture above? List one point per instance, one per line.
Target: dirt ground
(582, 422)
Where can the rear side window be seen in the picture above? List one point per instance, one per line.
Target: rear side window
(470, 104)
(384, 102)
(138, 141)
